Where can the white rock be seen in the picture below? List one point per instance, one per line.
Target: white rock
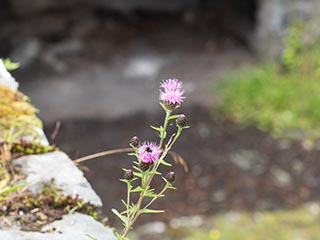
(58, 166)
(6, 78)
(74, 226)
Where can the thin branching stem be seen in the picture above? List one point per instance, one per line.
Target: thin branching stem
(101, 154)
(155, 198)
(146, 182)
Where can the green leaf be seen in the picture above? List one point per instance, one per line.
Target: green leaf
(121, 217)
(159, 129)
(10, 66)
(166, 163)
(124, 203)
(119, 237)
(123, 180)
(12, 189)
(124, 212)
(132, 154)
(155, 172)
(174, 117)
(137, 189)
(137, 174)
(150, 193)
(138, 169)
(152, 211)
(92, 238)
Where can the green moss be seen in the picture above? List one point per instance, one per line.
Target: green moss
(17, 113)
(283, 102)
(25, 148)
(300, 223)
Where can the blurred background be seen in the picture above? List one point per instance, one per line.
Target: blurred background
(251, 70)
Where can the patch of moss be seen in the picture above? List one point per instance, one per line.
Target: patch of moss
(280, 97)
(25, 148)
(17, 113)
(285, 103)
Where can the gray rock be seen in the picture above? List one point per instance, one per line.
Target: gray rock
(42, 168)
(281, 177)
(276, 16)
(249, 160)
(58, 166)
(76, 226)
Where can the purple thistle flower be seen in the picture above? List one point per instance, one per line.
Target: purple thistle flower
(172, 93)
(171, 84)
(149, 152)
(172, 97)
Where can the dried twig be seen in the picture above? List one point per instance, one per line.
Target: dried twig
(176, 157)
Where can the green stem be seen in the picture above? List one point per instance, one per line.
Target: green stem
(128, 197)
(146, 182)
(156, 197)
(165, 125)
(134, 217)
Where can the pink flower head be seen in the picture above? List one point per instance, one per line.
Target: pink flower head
(149, 152)
(171, 84)
(171, 93)
(172, 97)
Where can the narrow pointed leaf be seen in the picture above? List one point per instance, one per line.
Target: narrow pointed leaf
(166, 163)
(152, 211)
(121, 217)
(137, 189)
(159, 129)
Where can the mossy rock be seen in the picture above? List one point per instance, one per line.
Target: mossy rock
(17, 113)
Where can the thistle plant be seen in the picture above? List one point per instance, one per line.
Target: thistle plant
(148, 158)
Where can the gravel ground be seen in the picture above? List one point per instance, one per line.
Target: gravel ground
(231, 167)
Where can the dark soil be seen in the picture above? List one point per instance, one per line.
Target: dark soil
(31, 211)
(287, 175)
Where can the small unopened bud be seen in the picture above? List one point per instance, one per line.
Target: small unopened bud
(182, 121)
(128, 175)
(171, 177)
(171, 106)
(135, 141)
(144, 166)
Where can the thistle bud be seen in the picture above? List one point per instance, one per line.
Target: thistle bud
(182, 121)
(135, 141)
(128, 175)
(144, 166)
(170, 106)
(171, 177)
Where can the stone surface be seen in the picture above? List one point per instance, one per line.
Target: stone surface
(42, 168)
(274, 18)
(6, 78)
(281, 177)
(249, 160)
(58, 166)
(76, 226)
